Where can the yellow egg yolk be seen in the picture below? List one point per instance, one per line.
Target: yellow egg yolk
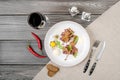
(52, 44)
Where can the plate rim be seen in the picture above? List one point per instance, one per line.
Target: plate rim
(72, 64)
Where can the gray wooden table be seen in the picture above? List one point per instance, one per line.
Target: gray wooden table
(16, 63)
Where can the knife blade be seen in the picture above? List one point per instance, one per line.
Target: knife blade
(101, 48)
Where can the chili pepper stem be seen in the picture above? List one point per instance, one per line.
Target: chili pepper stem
(28, 43)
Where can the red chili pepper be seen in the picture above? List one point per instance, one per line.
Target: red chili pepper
(35, 53)
(38, 40)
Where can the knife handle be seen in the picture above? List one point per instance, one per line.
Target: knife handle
(92, 69)
(86, 66)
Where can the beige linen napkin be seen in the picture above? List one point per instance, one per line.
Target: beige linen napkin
(106, 27)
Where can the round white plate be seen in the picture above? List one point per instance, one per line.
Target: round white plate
(83, 43)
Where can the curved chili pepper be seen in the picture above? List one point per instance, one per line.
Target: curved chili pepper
(35, 53)
(38, 40)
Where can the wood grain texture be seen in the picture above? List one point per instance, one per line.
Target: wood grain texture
(14, 31)
(17, 28)
(19, 72)
(16, 52)
(53, 7)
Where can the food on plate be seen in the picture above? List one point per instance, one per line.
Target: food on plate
(67, 35)
(56, 51)
(56, 43)
(66, 42)
(59, 44)
(75, 39)
(52, 44)
(52, 70)
(70, 50)
(56, 36)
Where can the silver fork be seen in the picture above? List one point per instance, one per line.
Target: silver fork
(95, 45)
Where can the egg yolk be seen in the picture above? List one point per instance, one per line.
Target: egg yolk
(52, 44)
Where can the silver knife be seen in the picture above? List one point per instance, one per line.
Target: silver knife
(101, 48)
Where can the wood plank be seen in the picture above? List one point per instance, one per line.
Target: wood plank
(19, 72)
(52, 7)
(17, 28)
(14, 31)
(63, 0)
(15, 52)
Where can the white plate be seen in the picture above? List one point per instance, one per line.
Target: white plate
(83, 43)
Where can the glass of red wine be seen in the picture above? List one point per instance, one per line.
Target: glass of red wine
(37, 20)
